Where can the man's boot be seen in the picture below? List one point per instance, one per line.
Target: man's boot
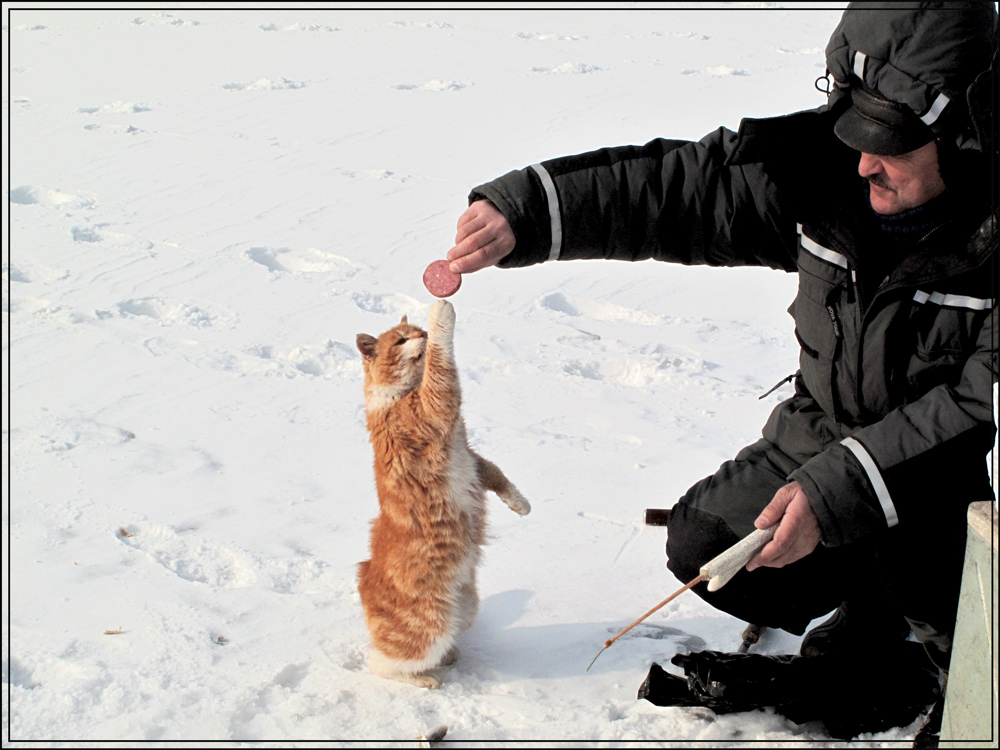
(866, 627)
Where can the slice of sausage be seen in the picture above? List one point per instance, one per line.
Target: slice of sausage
(439, 279)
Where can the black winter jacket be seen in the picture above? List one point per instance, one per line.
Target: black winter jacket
(892, 412)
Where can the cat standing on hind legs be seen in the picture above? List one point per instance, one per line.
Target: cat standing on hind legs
(418, 589)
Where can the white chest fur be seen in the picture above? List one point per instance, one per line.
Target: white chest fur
(464, 485)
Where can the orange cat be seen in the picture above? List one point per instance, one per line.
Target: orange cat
(419, 587)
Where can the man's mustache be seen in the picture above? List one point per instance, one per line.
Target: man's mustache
(881, 181)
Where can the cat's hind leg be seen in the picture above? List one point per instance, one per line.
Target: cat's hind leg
(410, 671)
(416, 671)
(496, 481)
(466, 602)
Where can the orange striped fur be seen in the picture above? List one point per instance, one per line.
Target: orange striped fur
(418, 589)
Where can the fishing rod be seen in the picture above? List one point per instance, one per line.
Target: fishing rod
(718, 572)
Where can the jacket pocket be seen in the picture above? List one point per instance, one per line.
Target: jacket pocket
(817, 327)
(941, 349)
(818, 333)
(928, 369)
(821, 270)
(823, 274)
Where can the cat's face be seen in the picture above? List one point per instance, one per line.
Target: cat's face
(396, 358)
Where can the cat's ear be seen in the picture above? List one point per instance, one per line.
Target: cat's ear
(366, 345)
(404, 321)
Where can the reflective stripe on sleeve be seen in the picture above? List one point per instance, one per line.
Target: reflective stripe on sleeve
(875, 477)
(555, 222)
(823, 253)
(953, 300)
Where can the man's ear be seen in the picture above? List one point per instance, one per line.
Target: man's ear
(366, 345)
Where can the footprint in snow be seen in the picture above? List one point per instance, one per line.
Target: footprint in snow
(296, 574)
(441, 25)
(172, 313)
(805, 51)
(264, 84)
(20, 675)
(568, 67)
(303, 260)
(559, 302)
(11, 273)
(292, 675)
(395, 305)
(536, 36)
(115, 129)
(68, 433)
(375, 174)
(646, 367)
(354, 659)
(34, 195)
(162, 19)
(190, 557)
(433, 85)
(694, 35)
(296, 27)
(99, 233)
(30, 274)
(716, 70)
(116, 108)
(582, 339)
(43, 309)
(331, 359)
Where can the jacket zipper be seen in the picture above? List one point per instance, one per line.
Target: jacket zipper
(866, 317)
(838, 333)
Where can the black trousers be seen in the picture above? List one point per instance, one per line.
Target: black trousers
(913, 570)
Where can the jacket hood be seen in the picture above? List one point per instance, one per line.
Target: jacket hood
(934, 58)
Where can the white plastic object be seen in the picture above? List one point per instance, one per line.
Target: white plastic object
(719, 570)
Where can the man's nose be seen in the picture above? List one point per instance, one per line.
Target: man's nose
(869, 165)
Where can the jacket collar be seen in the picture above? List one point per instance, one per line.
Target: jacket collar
(822, 197)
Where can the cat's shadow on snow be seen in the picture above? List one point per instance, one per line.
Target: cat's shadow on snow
(498, 648)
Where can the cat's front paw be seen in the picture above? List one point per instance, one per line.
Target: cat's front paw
(516, 501)
(441, 320)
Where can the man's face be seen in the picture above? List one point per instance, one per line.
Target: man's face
(899, 183)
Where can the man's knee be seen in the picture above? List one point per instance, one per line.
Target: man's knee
(718, 511)
(787, 598)
(693, 538)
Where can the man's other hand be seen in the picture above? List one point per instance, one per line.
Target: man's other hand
(798, 532)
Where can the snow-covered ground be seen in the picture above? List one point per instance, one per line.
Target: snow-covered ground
(205, 207)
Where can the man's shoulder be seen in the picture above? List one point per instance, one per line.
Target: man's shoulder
(813, 172)
(785, 138)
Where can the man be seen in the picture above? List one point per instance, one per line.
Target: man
(883, 202)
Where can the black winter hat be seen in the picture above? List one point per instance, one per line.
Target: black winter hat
(877, 125)
(909, 69)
